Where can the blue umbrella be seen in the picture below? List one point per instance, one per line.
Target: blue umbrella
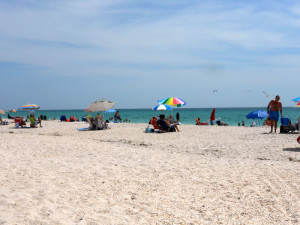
(110, 111)
(296, 99)
(257, 115)
(162, 107)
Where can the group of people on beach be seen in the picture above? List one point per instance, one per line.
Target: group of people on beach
(96, 123)
(218, 122)
(163, 124)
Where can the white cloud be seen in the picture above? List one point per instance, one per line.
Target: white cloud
(46, 33)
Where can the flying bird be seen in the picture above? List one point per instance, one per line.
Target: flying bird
(267, 95)
(215, 91)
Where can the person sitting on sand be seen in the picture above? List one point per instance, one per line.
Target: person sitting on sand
(98, 116)
(40, 121)
(224, 124)
(100, 124)
(92, 123)
(153, 121)
(197, 121)
(33, 120)
(165, 125)
(171, 119)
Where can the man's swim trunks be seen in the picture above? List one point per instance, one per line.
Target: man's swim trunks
(274, 115)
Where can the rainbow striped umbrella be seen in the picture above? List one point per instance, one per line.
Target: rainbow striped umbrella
(173, 101)
(29, 107)
(296, 99)
(298, 105)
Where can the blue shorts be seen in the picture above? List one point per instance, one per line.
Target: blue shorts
(274, 115)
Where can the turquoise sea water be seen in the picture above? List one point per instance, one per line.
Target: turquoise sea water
(232, 116)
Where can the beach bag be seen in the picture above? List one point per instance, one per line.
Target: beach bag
(148, 130)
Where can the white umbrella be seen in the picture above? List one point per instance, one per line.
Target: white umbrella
(162, 107)
(101, 105)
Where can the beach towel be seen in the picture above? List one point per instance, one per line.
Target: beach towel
(83, 129)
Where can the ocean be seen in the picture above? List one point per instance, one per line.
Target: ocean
(232, 116)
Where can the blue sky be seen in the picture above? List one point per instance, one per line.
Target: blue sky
(63, 54)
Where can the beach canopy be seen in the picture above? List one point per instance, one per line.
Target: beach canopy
(213, 114)
(257, 115)
(110, 111)
(173, 101)
(162, 108)
(29, 107)
(2, 112)
(296, 99)
(101, 105)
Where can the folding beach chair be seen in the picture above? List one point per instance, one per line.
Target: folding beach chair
(286, 126)
(63, 118)
(19, 122)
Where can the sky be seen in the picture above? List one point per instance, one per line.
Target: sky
(65, 54)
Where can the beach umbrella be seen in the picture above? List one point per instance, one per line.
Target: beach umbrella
(87, 110)
(12, 110)
(257, 115)
(298, 105)
(173, 101)
(2, 112)
(29, 107)
(101, 105)
(213, 114)
(296, 99)
(110, 111)
(162, 108)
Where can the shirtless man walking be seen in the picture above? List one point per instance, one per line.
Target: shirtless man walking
(273, 110)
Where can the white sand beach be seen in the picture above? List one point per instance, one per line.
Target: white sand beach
(202, 175)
